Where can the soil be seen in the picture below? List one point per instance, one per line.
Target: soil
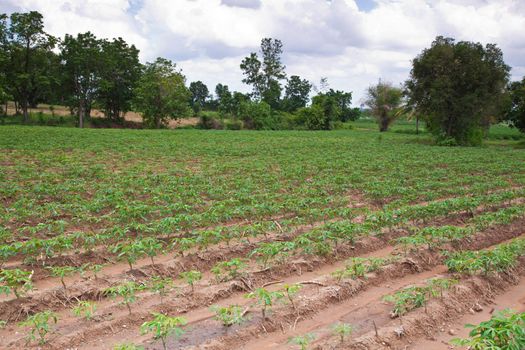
(321, 302)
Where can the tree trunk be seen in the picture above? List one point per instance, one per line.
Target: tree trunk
(383, 124)
(81, 111)
(417, 125)
(24, 110)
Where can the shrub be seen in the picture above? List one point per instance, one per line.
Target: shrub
(259, 116)
(313, 118)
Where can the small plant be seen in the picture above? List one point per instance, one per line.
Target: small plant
(303, 340)
(85, 309)
(61, 272)
(39, 324)
(126, 291)
(265, 299)
(151, 247)
(504, 331)
(161, 285)
(342, 330)
(129, 252)
(228, 315)
(290, 290)
(163, 326)
(228, 270)
(94, 268)
(16, 280)
(406, 300)
(191, 277)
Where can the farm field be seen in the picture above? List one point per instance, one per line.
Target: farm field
(256, 240)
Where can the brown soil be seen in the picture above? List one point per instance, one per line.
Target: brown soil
(321, 302)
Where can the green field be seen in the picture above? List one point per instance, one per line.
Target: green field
(202, 178)
(78, 201)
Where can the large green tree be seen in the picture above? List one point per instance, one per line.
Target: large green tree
(384, 101)
(297, 93)
(265, 75)
(29, 55)
(161, 93)
(458, 87)
(516, 111)
(199, 94)
(119, 72)
(81, 57)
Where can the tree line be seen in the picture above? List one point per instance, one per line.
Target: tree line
(83, 72)
(457, 88)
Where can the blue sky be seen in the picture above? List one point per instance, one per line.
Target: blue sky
(351, 42)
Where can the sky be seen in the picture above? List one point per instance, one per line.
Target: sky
(353, 43)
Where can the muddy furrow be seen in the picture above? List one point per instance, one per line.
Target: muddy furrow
(424, 262)
(232, 290)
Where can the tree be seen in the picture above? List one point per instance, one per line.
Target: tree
(258, 116)
(265, 76)
(4, 58)
(516, 111)
(81, 57)
(297, 93)
(224, 98)
(343, 101)
(28, 40)
(119, 72)
(384, 101)
(161, 94)
(199, 94)
(458, 87)
(313, 117)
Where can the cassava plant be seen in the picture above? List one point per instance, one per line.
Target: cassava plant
(85, 309)
(191, 277)
(265, 299)
(39, 324)
(16, 281)
(126, 291)
(228, 315)
(163, 326)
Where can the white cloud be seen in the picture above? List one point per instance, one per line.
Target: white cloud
(353, 48)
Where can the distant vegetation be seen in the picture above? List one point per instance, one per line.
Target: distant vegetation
(458, 89)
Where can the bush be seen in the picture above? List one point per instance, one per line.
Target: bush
(339, 125)
(209, 122)
(313, 118)
(259, 116)
(233, 125)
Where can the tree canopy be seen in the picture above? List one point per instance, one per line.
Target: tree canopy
(458, 87)
(161, 93)
(516, 111)
(384, 101)
(265, 75)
